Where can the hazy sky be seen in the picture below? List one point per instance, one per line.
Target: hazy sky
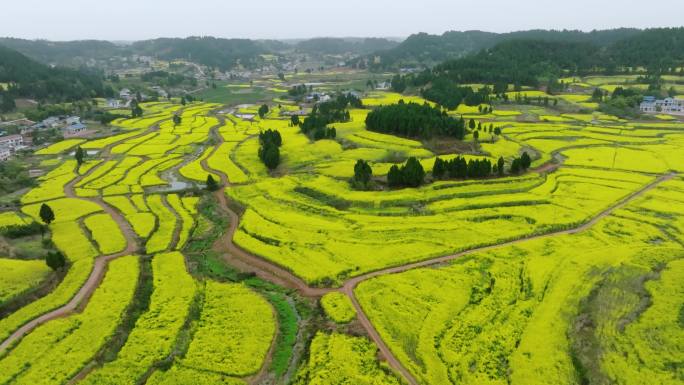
(143, 19)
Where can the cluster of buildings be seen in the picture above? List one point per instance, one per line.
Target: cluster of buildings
(9, 144)
(69, 126)
(668, 105)
(126, 96)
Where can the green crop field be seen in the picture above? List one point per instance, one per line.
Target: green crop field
(329, 265)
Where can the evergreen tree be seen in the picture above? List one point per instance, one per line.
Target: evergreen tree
(394, 177)
(294, 119)
(439, 168)
(212, 185)
(46, 214)
(515, 166)
(362, 172)
(79, 155)
(271, 157)
(263, 110)
(500, 166)
(525, 161)
(413, 172)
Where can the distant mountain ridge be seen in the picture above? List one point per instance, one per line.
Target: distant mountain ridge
(425, 49)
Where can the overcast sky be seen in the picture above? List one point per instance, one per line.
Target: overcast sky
(284, 19)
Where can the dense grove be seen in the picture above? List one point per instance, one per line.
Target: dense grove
(332, 111)
(414, 120)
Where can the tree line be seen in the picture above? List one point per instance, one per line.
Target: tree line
(412, 173)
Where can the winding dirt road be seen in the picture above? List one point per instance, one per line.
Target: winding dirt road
(351, 284)
(100, 265)
(271, 272)
(242, 259)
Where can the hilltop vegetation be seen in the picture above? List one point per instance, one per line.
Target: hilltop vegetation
(27, 78)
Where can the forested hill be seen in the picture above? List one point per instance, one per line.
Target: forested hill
(336, 46)
(525, 62)
(661, 46)
(223, 54)
(426, 50)
(64, 53)
(29, 78)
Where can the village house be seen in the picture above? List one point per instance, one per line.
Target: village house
(125, 94)
(51, 122)
(14, 142)
(74, 129)
(71, 120)
(668, 105)
(113, 103)
(4, 153)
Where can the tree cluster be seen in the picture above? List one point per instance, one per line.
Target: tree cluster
(269, 150)
(459, 168)
(362, 174)
(415, 120)
(521, 163)
(322, 114)
(410, 174)
(298, 91)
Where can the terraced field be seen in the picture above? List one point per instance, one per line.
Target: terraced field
(566, 274)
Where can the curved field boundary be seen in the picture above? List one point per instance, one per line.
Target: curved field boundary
(100, 265)
(244, 260)
(269, 271)
(350, 285)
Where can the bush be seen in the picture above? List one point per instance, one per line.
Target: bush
(18, 231)
(55, 260)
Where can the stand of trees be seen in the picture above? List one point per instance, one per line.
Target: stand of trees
(269, 151)
(448, 94)
(333, 111)
(410, 174)
(298, 91)
(415, 120)
(461, 169)
(521, 164)
(362, 175)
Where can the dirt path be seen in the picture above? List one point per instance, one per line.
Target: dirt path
(96, 274)
(100, 265)
(273, 273)
(242, 259)
(350, 285)
(269, 271)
